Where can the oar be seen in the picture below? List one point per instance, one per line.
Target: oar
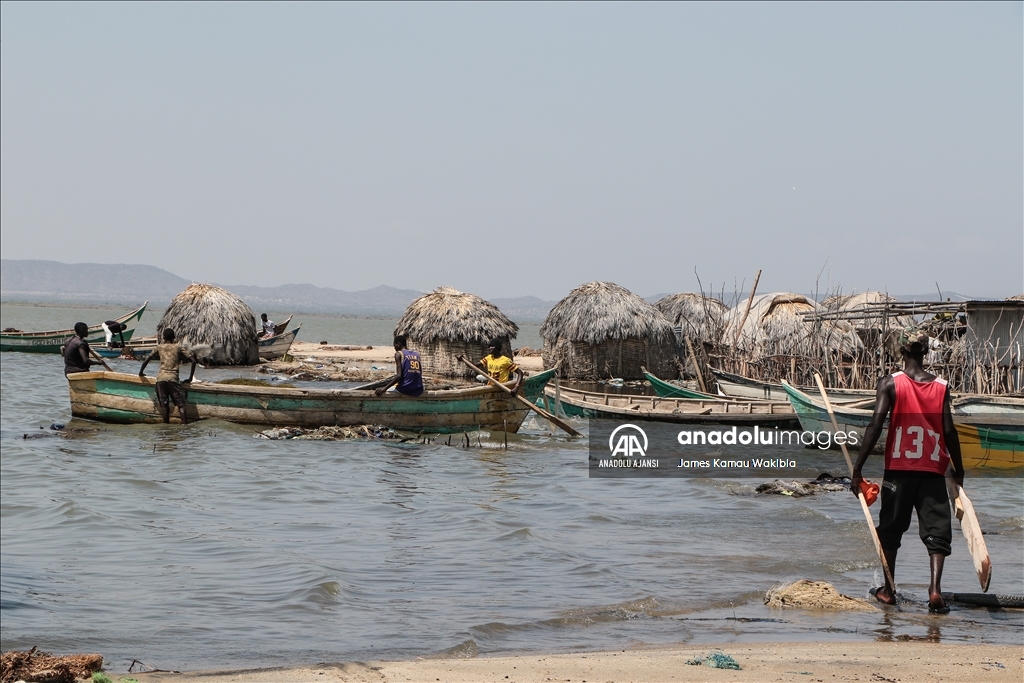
(551, 418)
(373, 385)
(100, 359)
(860, 494)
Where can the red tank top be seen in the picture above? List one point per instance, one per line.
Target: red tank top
(915, 441)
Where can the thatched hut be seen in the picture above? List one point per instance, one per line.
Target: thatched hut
(698, 316)
(208, 316)
(447, 323)
(602, 330)
(774, 327)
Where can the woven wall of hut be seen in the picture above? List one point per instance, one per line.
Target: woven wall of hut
(447, 323)
(602, 330)
(214, 321)
(699, 317)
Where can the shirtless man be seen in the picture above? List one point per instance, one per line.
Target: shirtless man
(921, 443)
(168, 384)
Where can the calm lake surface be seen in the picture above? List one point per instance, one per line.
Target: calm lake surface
(204, 547)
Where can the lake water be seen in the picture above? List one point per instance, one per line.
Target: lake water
(204, 547)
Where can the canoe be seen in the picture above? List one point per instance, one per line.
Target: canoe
(127, 398)
(587, 404)
(276, 347)
(991, 428)
(279, 328)
(670, 390)
(745, 387)
(53, 342)
(269, 347)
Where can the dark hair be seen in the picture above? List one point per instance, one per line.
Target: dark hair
(400, 339)
(495, 343)
(168, 334)
(81, 329)
(263, 316)
(914, 352)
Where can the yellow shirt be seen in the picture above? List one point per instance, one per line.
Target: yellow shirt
(500, 368)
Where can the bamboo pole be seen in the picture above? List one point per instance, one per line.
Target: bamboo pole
(860, 494)
(746, 311)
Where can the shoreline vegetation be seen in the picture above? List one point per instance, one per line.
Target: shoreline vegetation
(903, 661)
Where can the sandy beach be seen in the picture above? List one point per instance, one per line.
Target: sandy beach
(904, 662)
(378, 354)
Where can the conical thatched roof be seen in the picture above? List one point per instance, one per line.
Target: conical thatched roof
(602, 311)
(206, 315)
(699, 316)
(774, 327)
(450, 315)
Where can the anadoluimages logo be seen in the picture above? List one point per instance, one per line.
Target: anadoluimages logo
(628, 444)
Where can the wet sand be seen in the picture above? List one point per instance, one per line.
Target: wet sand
(905, 662)
(378, 355)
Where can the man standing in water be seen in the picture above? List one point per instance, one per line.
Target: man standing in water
(76, 351)
(921, 443)
(408, 371)
(168, 384)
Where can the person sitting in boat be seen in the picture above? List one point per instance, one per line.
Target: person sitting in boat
(168, 383)
(921, 444)
(269, 327)
(408, 378)
(76, 351)
(112, 327)
(499, 366)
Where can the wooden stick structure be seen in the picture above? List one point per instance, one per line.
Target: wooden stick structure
(860, 494)
(540, 411)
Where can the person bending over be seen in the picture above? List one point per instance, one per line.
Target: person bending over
(168, 384)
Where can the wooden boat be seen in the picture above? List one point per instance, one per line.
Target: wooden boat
(587, 404)
(277, 346)
(279, 328)
(269, 347)
(745, 387)
(991, 428)
(671, 390)
(53, 342)
(126, 398)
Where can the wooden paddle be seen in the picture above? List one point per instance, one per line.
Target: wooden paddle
(860, 494)
(100, 359)
(972, 532)
(551, 418)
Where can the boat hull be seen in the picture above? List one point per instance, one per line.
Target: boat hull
(276, 347)
(124, 398)
(53, 342)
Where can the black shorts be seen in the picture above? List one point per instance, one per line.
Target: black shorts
(170, 391)
(925, 492)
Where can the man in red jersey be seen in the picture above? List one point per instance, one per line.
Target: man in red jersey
(920, 445)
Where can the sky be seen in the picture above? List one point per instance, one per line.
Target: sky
(520, 149)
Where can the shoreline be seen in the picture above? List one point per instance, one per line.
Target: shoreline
(378, 354)
(838, 661)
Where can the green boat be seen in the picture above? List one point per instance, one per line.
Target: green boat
(126, 398)
(53, 342)
(715, 410)
(670, 390)
(991, 428)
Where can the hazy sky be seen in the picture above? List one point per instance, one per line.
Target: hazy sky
(520, 148)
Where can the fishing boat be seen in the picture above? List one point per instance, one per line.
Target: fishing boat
(588, 404)
(745, 387)
(991, 428)
(279, 328)
(139, 349)
(127, 398)
(672, 390)
(278, 345)
(53, 342)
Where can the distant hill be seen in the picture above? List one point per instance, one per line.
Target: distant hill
(96, 283)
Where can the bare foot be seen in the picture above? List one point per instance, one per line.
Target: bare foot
(936, 605)
(884, 596)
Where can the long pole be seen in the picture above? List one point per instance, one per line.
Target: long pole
(860, 494)
(746, 311)
(97, 357)
(551, 418)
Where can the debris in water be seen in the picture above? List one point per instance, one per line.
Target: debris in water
(804, 594)
(329, 433)
(798, 489)
(44, 667)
